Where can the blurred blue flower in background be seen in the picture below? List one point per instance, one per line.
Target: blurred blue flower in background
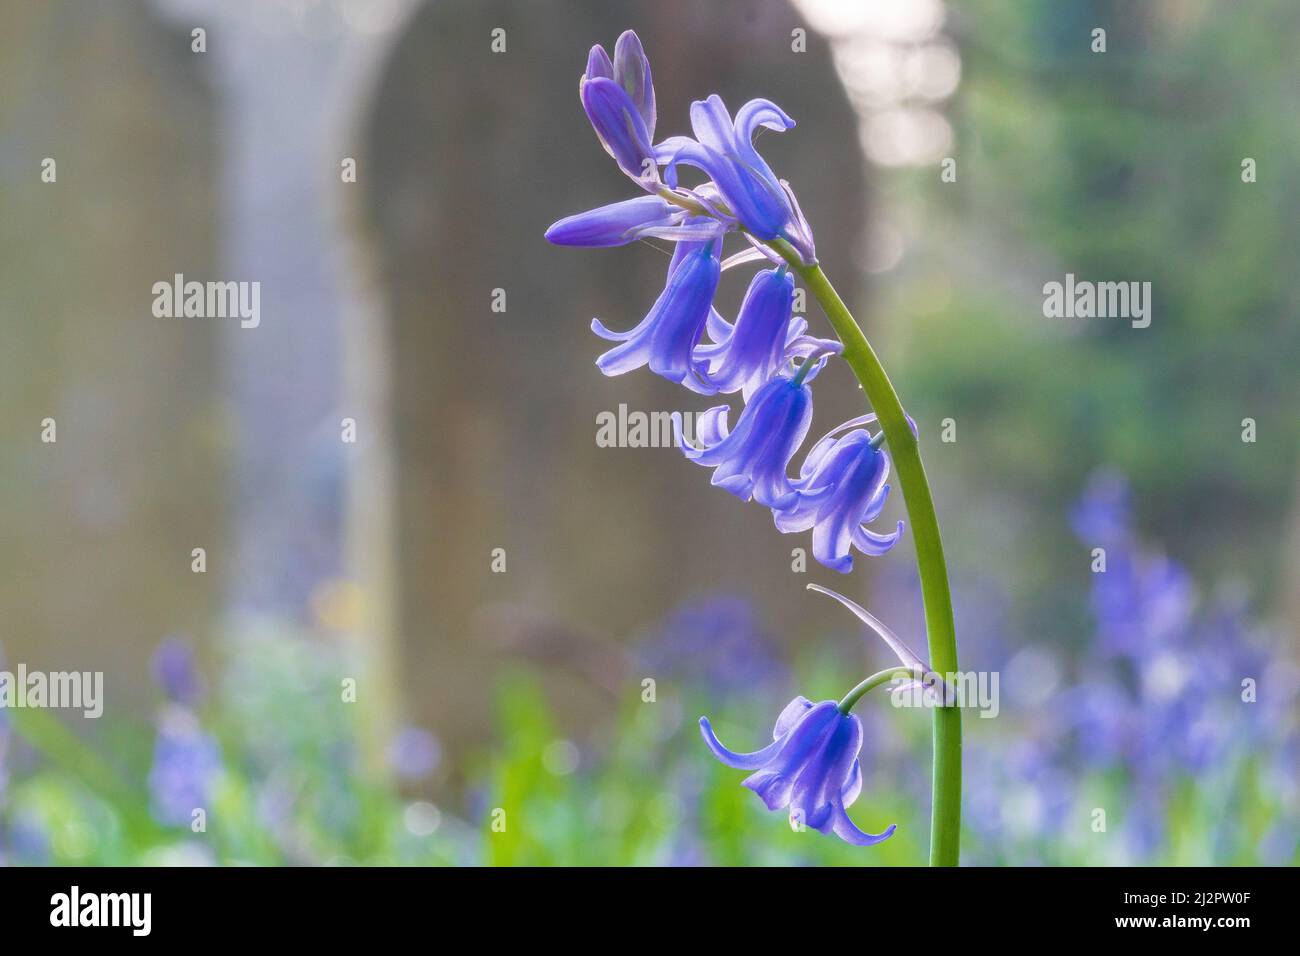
(6, 735)
(717, 643)
(1159, 702)
(186, 763)
(4, 752)
(414, 753)
(1140, 600)
(186, 760)
(175, 672)
(1167, 697)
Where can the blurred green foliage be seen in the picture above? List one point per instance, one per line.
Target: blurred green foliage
(1125, 165)
(644, 791)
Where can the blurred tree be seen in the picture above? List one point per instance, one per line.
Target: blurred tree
(1125, 165)
(311, 495)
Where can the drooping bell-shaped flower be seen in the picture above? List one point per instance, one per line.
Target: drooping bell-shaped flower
(619, 100)
(666, 338)
(811, 768)
(725, 151)
(751, 461)
(765, 336)
(841, 487)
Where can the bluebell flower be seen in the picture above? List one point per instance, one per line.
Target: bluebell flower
(1103, 513)
(1141, 601)
(4, 750)
(4, 744)
(751, 461)
(28, 841)
(763, 204)
(811, 768)
(619, 100)
(666, 338)
(186, 763)
(414, 754)
(765, 336)
(175, 673)
(841, 487)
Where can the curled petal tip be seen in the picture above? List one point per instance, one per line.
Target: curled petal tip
(598, 64)
(738, 761)
(598, 327)
(849, 832)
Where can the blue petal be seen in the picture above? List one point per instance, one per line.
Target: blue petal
(719, 329)
(801, 748)
(751, 460)
(870, 543)
(711, 123)
(599, 328)
(847, 830)
(710, 428)
(615, 224)
(823, 780)
(790, 715)
(632, 72)
(666, 338)
(740, 761)
(831, 542)
(752, 115)
(760, 206)
(669, 147)
(853, 787)
(770, 786)
(598, 64)
(689, 231)
(619, 127)
(755, 349)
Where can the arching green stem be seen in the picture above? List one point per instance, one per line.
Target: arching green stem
(945, 811)
(872, 682)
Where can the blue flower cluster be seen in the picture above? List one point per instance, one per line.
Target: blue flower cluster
(716, 643)
(1171, 688)
(186, 759)
(767, 354)
(1180, 686)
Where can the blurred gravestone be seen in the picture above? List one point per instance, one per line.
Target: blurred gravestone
(99, 525)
